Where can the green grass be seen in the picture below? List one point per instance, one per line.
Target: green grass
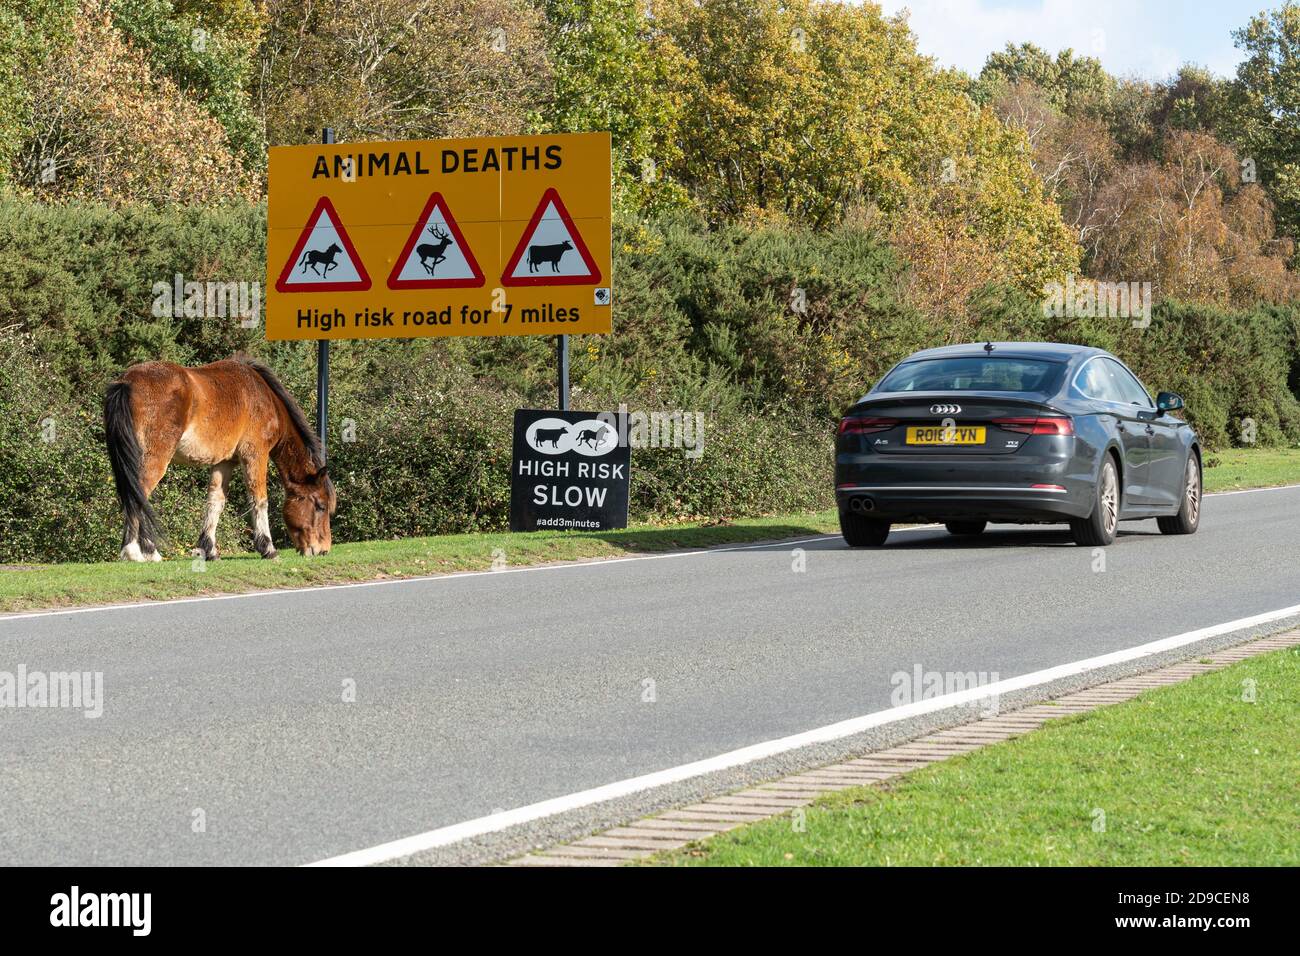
(1185, 775)
(110, 582)
(1239, 468)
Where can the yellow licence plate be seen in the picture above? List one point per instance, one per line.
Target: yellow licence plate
(939, 435)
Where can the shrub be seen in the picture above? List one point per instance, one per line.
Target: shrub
(770, 332)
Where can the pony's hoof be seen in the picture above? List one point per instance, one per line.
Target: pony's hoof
(153, 556)
(132, 552)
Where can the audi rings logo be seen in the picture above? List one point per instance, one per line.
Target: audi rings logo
(945, 409)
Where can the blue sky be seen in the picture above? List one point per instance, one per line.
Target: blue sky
(1149, 39)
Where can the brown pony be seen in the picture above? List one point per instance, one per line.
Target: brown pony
(157, 413)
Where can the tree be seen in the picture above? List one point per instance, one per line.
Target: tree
(1074, 85)
(1072, 155)
(605, 75)
(208, 49)
(806, 110)
(91, 125)
(1131, 117)
(1264, 108)
(29, 33)
(400, 69)
(1190, 227)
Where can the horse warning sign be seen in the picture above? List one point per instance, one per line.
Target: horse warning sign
(489, 236)
(323, 258)
(569, 470)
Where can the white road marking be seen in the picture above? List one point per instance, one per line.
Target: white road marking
(444, 836)
(450, 576)
(459, 575)
(1246, 491)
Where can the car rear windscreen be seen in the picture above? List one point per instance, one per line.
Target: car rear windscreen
(974, 374)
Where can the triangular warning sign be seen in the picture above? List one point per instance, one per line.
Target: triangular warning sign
(551, 250)
(323, 259)
(436, 255)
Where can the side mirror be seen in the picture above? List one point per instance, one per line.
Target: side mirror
(1169, 401)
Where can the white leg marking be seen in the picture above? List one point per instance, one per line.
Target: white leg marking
(262, 529)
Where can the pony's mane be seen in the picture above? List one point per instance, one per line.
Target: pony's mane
(300, 423)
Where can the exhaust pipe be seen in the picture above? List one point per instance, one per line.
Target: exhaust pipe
(861, 505)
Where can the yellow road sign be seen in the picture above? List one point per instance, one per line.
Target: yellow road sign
(488, 236)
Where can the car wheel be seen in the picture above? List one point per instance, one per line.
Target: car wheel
(863, 532)
(1189, 513)
(1098, 529)
(966, 527)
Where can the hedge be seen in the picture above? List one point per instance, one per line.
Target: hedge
(769, 332)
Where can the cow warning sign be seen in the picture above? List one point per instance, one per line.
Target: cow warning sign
(436, 255)
(323, 258)
(487, 236)
(551, 250)
(569, 470)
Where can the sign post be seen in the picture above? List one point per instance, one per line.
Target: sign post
(323, 361)
(562, 368)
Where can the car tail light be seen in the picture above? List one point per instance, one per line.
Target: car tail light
(1037, 425)
(866, 426)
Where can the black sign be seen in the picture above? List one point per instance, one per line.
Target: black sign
(569, 470)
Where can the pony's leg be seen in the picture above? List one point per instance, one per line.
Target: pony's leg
(151, 472)
(217, 486)
(255, 474)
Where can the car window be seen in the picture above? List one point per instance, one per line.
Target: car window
(975, 374)
(1096, 381)
(1129, 386)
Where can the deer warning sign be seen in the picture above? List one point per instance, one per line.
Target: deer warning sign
(487, 236)
(323, 258)
(551, 250)
(436, 255)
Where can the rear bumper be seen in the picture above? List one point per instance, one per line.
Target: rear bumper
(990, 487)
(942, 503)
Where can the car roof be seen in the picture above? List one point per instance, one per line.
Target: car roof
(1048, 351)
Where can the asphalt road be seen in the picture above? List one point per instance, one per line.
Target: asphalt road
(486, 692)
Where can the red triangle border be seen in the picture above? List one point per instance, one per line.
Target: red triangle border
(476, 281)
(580, 246)
(362, 283)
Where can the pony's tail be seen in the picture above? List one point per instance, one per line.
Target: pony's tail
(124, 452)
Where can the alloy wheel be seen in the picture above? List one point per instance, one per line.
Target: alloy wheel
(1109, 499)
(1193, 490)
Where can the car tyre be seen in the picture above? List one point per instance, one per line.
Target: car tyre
(861, 531)
(966, 527)
(1100, 527)
(1188, 518)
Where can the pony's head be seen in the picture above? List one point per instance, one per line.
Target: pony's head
(308, 505)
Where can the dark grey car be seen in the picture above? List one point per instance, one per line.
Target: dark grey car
(1023, 432)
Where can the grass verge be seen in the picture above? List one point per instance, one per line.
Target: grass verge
(63, 585)
(1241, 468)
(1191, 774)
